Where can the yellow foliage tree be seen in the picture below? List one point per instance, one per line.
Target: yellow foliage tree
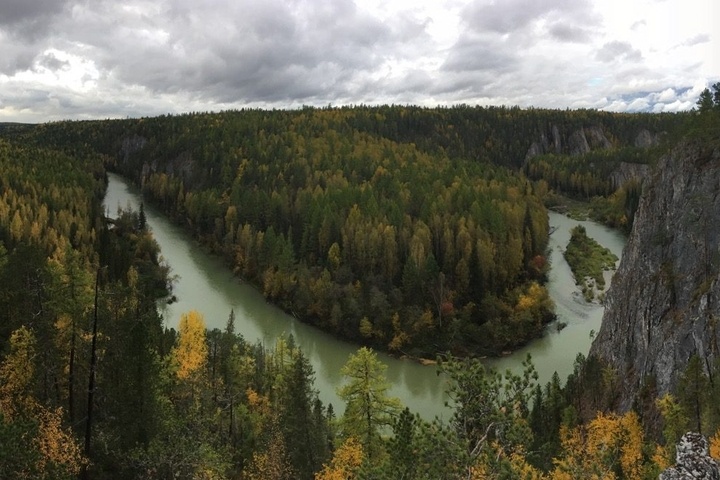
(16, 373)
(271, 463)
(190, 354)
(55, 443)
(400, 336)
(534, 295)
(57, 449)
(594, 452)
(345, 463)
(715, 445)
(514, 464)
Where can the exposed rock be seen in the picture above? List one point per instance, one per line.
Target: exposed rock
(645, 139)
(663, 305)
(539, 148)
(626, 172)
(534, 150)
(557, 139)
(577, 143)
(581, 141)
(131, 145)
(693, 460)
(180, 167)
(596, 138)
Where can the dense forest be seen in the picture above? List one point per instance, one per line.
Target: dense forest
(93, 385)
(407, 229)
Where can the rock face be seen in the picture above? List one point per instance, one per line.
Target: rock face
(693, 460)
(645, 139)
(578, 142)
(131, 145)
(664, 303)
(582, 140)
(626, 172)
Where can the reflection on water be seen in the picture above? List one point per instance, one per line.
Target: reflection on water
(205, 284)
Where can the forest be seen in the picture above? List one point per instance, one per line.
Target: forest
(93, 385)
(407, 229)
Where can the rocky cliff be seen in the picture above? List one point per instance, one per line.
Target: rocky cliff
(577, 142)
(626, 172)
(581, 141)
(664, 303)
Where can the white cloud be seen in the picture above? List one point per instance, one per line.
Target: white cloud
(667, 95)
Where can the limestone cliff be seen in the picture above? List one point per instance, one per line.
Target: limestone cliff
(664, 303)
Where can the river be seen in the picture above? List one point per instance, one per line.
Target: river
(205, 284)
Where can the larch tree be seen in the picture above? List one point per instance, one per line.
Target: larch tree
(345, 463)
(191, 352)
(368, 406)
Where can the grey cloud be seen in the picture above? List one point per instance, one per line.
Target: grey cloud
(19, 11)
(569, 33)
(29, 20)
(616, 50)
(508, 16)
(51, 62)
(479, 54)
(696, 40)
(415, 81)
(17, 57)
(498, 36)
(269, 51)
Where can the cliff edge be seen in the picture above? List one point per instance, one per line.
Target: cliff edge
(664, 303)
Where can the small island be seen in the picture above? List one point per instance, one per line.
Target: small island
(589, 261)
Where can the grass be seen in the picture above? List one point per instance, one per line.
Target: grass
(588, 261)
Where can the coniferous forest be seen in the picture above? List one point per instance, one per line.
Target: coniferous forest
(416, 231)
(406, 229)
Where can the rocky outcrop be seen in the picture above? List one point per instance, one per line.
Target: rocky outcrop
(596, 138)
(664, 303)
(645, 139)
(693, 461)
(131, 145)
(181, 166)
(626, 172)
(578, 142)
(583, 140)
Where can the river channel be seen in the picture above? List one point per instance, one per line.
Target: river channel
(205, 284)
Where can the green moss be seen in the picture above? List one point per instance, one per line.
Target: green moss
(588, 261)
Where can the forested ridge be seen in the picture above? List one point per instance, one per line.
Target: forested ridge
(93, 385)
(409, 229)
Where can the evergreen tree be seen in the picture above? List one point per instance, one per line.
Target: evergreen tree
(705, 101)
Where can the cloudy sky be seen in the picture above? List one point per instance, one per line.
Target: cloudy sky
(74, 59)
